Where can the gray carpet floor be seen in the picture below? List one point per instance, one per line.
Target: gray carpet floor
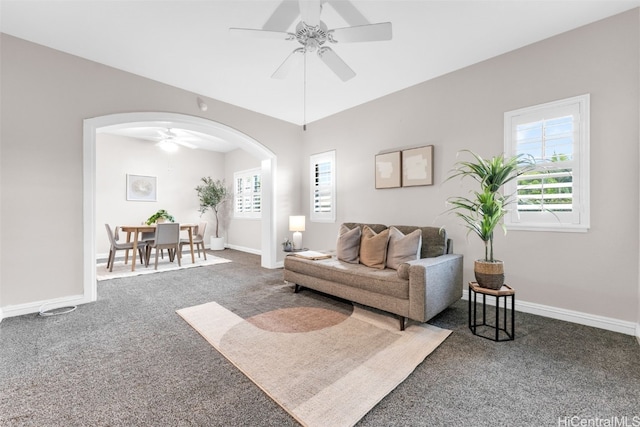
(130, 360)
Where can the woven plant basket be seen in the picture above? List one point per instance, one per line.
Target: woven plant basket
(489, 275)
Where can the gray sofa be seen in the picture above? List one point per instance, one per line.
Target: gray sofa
(418, 289)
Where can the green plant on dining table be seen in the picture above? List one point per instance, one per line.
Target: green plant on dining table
(161, 214)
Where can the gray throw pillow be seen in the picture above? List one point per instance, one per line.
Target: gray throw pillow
(348, 245)
(403, 248)
(373, 247)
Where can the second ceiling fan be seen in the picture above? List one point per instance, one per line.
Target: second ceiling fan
(312, 33)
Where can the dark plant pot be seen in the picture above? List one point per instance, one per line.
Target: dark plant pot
(489, 275)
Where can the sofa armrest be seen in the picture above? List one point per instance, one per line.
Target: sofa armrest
(434, 284)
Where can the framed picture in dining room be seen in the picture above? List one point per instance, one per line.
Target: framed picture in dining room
(417, 166)
(142, 188)
(388, 172)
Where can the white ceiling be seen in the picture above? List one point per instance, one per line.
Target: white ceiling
(187, 44)
(187, 136)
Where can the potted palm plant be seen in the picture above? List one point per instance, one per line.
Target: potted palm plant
(485, 209)
(213, 195)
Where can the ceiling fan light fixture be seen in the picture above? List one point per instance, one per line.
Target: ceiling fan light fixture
(168, 146)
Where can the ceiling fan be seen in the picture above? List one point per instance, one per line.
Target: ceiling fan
(312, 33)
(169, 140)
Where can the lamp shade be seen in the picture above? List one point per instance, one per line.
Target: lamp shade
(296, 223)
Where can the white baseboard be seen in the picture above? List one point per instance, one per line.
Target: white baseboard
(37, 306)
(615, 325)
(244, 249)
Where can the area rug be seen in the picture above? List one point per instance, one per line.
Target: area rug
(323, 367)
(120, 269)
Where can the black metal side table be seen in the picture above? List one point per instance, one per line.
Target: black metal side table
(504, 292)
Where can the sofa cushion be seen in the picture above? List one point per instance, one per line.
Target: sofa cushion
(384, 282)
(403, 248)
(434, 239)
(373, 247)
(348, 246)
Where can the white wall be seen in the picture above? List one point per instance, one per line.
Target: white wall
(595, 272)
(243, 233)
(177, 174)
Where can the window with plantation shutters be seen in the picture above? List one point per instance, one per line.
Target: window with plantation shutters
(323, 187)
(248, 194)
(555, 195)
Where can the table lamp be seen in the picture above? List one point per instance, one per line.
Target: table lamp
(296, 224)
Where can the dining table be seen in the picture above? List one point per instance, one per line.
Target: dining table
(134, 231)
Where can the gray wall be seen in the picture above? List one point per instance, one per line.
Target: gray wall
(594, 272)
(46, 95)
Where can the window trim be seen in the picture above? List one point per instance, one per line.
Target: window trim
(547, 221)
(314, 159)
(246, 173)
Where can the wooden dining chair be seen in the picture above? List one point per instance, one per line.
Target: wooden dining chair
(198, 239)
(116, 245)
(167, 237)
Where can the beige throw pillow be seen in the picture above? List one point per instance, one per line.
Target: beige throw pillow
(373, 247)
(348, 245)
(403, 248)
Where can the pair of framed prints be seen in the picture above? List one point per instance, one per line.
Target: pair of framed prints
(406, 168)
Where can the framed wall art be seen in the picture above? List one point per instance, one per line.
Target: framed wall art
(142, 188)
(417, 166)
(388, 170)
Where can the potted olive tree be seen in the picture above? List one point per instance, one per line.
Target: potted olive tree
(485, 209)
(213, 195)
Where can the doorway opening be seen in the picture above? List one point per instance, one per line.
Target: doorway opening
(114, 121)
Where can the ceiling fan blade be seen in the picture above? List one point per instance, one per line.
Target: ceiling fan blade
(292, 60)
(184, 143)
(268, 34)
(348, 12)
(284, 15)
(362, 33)
(337, 65)
(310, 11)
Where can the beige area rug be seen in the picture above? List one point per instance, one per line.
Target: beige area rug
(120, 269)
(324, 368)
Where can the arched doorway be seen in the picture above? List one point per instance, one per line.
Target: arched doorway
(243, 141)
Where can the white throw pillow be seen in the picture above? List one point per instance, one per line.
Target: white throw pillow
(403, 248)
